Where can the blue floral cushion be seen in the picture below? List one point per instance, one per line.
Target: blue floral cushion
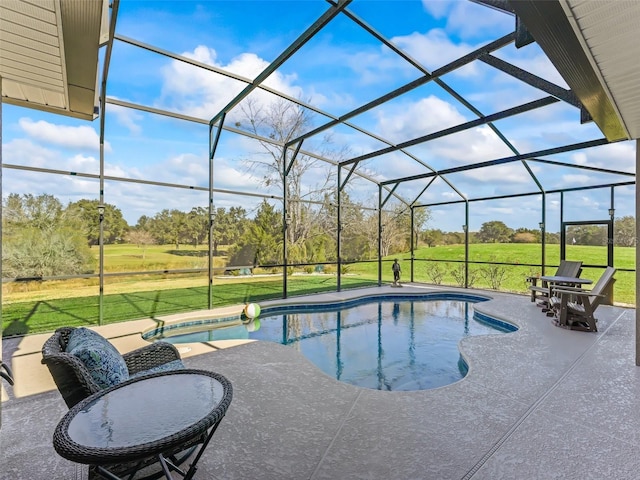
(103, 361)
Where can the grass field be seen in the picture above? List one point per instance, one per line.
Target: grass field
(36, 307)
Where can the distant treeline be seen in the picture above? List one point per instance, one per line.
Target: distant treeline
(42, 237)
(624, 235)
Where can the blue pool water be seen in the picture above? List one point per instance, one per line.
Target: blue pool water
(390, 343)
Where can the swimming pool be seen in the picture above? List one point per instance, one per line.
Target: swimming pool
(395, 343)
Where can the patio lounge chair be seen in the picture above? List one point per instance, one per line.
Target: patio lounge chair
(97, 364)
(567, 268)
(574, 307)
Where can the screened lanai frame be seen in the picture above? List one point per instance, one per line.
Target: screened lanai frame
(387, 188)
(346, 169)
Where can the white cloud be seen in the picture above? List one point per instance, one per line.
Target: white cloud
(66, 188)
(82, 163)
(615, 156)
(403, 121)
(451, 195)
(186, 169)
(132, 198)
(435, 49)
(501, 175)
(470, 146)
(200, 93)
(111, 170)
(479, 143)
(576, 179)
(532, 59)
(229, 177)
(81, 137)
(470, 20)
(400, 122)
(127, 117)
(22, 151)
(373, 67)
(437, 9)
(500, 211)
(193, 170)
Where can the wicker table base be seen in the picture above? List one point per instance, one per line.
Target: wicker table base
(145, 420)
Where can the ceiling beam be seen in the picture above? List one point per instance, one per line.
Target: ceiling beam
(552, 30)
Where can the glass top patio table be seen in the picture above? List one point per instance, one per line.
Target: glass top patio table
(143, 417)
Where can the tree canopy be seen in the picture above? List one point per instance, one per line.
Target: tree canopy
(42, 237)
(494, 232)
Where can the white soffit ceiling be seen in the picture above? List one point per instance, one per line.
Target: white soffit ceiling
(49, 54)
(609, 32)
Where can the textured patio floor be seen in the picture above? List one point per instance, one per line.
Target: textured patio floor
(540, 403)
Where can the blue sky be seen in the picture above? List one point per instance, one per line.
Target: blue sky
(340, 69)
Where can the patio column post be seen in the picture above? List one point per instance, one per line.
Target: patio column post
(543, 233)
(412, 241)
(1, 217)
(213, 145)
(611, 233)
(102, 112)
(339, 228)
(466, 244)
(379, 235)
(285, 222)
(637, 262)
(101, 207)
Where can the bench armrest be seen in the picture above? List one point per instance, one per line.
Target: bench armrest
(577, 291)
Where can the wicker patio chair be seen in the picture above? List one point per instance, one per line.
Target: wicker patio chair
(74, 380)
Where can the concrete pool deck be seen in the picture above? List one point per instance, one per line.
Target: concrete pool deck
(538, 403)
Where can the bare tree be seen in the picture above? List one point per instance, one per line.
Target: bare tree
(141, 238)
(392, 236)
(308, 178)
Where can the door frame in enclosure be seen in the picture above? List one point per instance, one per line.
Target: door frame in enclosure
(607, 223)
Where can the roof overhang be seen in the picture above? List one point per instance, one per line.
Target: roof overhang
(594, 46)
(49, 54)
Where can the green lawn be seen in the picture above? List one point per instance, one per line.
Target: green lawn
(438, 265)
(46, 315)
(136, 297)
(127, 257)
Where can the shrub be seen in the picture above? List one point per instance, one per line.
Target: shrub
(494, 275)
(436, 273)
(524, 237)
(457, 272)
(472, 277)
